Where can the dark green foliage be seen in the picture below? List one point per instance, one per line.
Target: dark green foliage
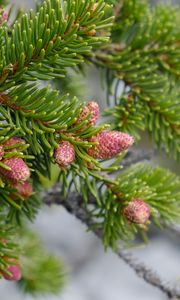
(42, 45)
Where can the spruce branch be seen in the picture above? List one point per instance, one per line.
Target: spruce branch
(42, 45)
(144, 55)
(158, 187)
(74, 204)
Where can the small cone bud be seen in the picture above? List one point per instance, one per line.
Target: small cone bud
(5, 16)
(65, 154)
(91, 108)
(15, 273)
(137, 211)
(1, 152)
(19, 170)
(24, 189)
(13, 141)
(109, 144)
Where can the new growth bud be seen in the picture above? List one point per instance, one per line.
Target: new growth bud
(1, 152)
(65, 154)
(109, 144)
(15, 273)
(13, 141)
(137, 211)
(91, 108)
(19, 170)
(24, 189)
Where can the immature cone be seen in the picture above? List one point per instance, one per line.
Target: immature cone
(1, 152)
(13, 141)
(4, 16)
(91, 108)
(19, 170)
(65, 154)
(24, 189)
(137, 211)
(15, 273)
(109, 144)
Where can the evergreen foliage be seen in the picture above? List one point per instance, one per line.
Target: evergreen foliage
(137, 47)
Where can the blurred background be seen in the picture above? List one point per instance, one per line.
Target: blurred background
(91, 273)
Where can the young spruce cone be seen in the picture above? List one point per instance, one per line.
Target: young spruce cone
(91, 108)
(109, 144)
(137, 211)
(19, 170)
(65, 154)
(1, 152)
(13, 141)
(15, 273)
(24, 189)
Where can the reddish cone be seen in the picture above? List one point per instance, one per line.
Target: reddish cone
(91, 108)
(24, 189)
(109, 144)
(19, 170)
(1, 152)
(13, 141)
(65, 154)
(15, 273)
(137, 211)
(5, 16)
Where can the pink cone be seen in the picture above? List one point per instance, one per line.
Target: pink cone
(110, 143)
(13, 141)
(15, 273)
(91, 108)
(19, 170)
(24, 189)
(65, 154)
(137, 211)
(1, 152)
(5, 16)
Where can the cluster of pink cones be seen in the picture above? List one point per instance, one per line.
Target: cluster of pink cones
(17, 172)
(107, 143)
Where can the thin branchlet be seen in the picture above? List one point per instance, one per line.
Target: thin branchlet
(74, 204)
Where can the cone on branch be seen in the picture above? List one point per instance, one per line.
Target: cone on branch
(65, 154)
(4, 17)
(137, 211)
(12, 142)
(91, 108)
(109, 144)
(19, 170)
(24, 189)
(1, 152)
(14, 273)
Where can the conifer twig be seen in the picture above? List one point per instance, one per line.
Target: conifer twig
(74, 204)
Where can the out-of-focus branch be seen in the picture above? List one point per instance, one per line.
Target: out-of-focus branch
(74, 204)
(137, 155)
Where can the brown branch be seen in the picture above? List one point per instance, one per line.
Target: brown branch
(74, 204)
